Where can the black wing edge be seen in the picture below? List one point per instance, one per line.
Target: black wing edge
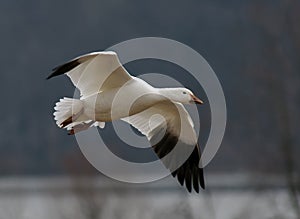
(62, 69)
(188, 173)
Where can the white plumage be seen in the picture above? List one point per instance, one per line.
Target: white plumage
(108, 92)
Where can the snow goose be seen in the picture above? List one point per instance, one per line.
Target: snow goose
(107, 91)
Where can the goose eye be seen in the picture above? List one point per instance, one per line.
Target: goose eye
(184, 92)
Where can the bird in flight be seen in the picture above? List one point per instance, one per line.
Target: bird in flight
(108, 92)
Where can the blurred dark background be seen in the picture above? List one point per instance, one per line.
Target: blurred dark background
(253, 46)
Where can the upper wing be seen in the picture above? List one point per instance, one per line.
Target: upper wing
(94, 72)
(170, 130)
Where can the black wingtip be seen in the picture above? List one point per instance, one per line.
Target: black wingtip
(201, 178)
(188, 180)
(50, 76)
(202, 184)
(54, 73)
(64, 68)
(195, 180)
(189, 172)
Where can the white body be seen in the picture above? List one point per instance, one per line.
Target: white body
(118, 103)
(109, 92)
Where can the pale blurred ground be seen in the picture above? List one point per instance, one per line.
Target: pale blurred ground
(227, 197)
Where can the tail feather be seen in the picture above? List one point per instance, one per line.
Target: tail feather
(66, 109)
(69, 114)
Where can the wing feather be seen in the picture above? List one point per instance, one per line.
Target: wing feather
(174, 141)
(94, 72)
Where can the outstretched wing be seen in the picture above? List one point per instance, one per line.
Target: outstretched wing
(170, 130)
(94, 72)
